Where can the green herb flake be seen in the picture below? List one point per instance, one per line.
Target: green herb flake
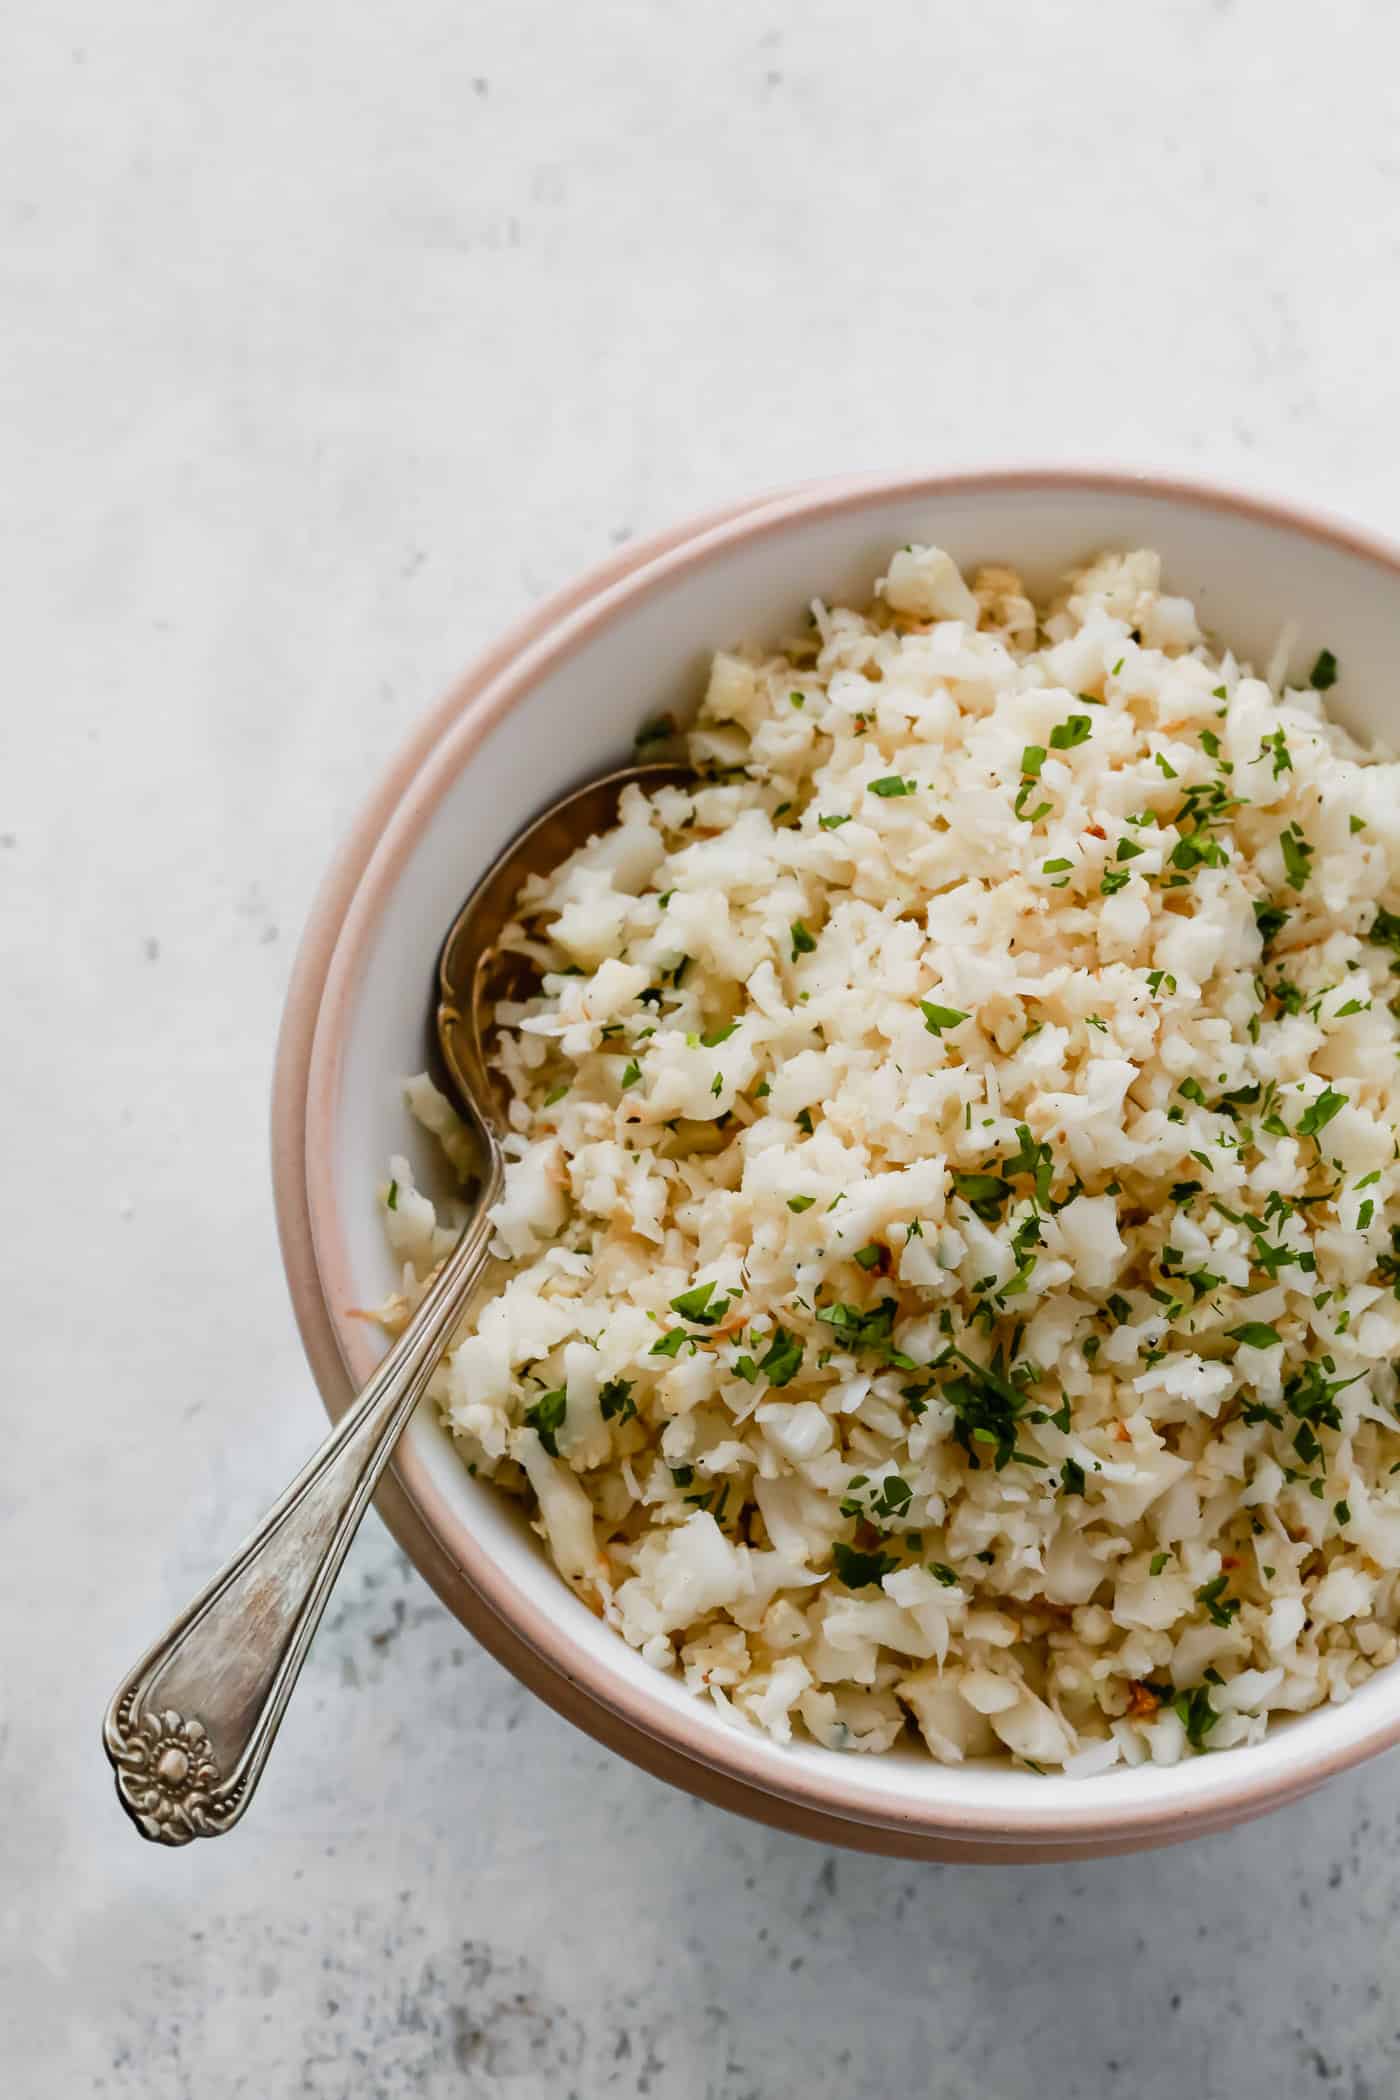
(615, 1401)
(797, 1204)
(1157, 1563)
(891, 786)
(1318, 1114)
(861, 1571)
(783, 1359)
(1256, 1334)
(1196, 1714)
(1075, 729)
(631, 1075)
(937, 1018)
(657, 731)
(1169, 770)
(391, 1201)
(1220, 1609)
(834, 823)
(546, 1418)
(1297, 855)
(672, 1344)
(1323, 675)
(695, 1305)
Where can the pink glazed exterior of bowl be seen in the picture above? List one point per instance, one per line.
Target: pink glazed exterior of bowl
(341, 1352)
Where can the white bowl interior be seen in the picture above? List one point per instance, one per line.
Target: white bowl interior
(1250, 575)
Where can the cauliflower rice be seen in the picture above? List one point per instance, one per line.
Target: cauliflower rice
(953, 1191)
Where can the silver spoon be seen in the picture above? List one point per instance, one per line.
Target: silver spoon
(189, 1729)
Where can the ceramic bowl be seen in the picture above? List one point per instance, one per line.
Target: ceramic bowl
(557, 701)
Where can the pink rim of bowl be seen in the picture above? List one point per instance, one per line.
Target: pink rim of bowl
(342, 1353)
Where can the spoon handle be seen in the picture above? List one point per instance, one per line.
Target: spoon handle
(189, 1729)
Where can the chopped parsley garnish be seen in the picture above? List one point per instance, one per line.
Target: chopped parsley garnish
(1271, 919)
(803, 942)
(861, 1571)
(783, 1358)
(894, 1497)
(695, 1305)
(716, 1036)
(937, 1018)
(941, 1572)
(546, 1418)
(1157, 1563)
(1220, 1609)
(1196, 1714)
(797, 1204)
(987, 1194)
(1255, 1334)
(833, 823)
(1198, 850)
(1157, 978)
(556, 1093)
(868, 1257)
(1072, 1477)
(631, 1075)
(988, 1408)
(1075, 729)
(861, 1330)
(391, 1201)
(656, 731)
(1276, 747)
(615, 1401)
(1115, 879)
(1323, 675)
(1297, 854)
(1318, 1114)
(892, 785)
(1032, 759)
(1169, 770)
(804, 1122)
(672, 1344)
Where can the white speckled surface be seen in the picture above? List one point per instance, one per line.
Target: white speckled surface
(334, 335)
